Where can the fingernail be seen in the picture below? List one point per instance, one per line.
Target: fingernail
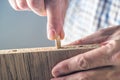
(51, 34)
(56, 73)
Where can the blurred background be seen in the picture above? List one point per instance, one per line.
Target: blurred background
(21, 29)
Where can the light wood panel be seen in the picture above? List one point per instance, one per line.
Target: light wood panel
(35, 63)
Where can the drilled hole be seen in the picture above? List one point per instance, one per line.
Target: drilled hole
(14, 50)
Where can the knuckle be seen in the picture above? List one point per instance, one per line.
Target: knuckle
(16, 8)
(83, 63)
(54, 24)
(34, 4)
(13, 5)
(22, 4)
(66, 67)
(111, 46)
(38, 7)
(102, 32)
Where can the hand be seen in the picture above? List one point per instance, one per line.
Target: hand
(102, 63)
(54, 10)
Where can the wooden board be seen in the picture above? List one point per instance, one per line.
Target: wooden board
(35, 63)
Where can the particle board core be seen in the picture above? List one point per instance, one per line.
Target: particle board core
(36, 63)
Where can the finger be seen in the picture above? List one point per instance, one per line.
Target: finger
(14, 4)
(115, 52)
(95, 74)
(95, 58)
(55, 14)
(22, 4)
(37, 6)
(97, 37)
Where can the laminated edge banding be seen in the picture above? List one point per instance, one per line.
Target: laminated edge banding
(46, 49)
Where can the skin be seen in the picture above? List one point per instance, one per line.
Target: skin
(94, 61)
(54, 10)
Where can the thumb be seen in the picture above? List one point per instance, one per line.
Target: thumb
(56, 10)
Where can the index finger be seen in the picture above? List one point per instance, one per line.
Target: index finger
(99, 36)
(55, 14)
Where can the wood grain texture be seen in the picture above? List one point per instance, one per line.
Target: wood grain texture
(35, 63)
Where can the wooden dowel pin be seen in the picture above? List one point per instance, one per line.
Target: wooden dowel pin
(58, 42)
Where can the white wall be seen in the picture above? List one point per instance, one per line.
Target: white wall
(21, 29)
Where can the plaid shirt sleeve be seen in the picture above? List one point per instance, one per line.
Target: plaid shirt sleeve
(84, 17)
